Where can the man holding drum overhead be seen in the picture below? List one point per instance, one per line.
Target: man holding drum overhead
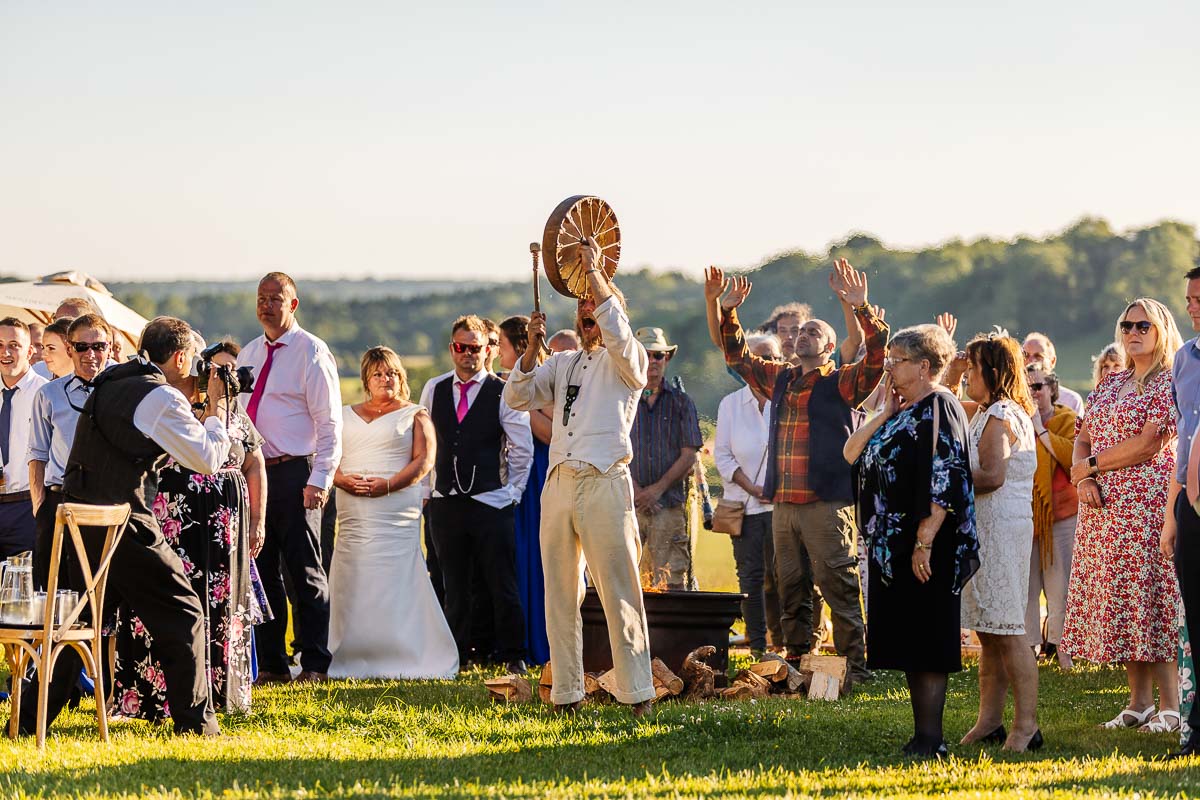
(587, 502)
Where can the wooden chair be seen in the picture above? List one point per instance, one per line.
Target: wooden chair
(42, 645)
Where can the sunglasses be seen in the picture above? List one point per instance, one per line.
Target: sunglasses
(1143, 327)
(1037, 387)
(83, 347)
(459, 347)
(658, 355)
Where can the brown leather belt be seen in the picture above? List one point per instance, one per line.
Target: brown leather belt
(14, 497)
(280, 459)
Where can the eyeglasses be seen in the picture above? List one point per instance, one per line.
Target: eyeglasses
(1143, 327)
(658, 355)
(1037, 387)
(459, 347)
(83, 347)
(890, 363)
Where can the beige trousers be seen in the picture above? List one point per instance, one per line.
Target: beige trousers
(588, 519)
(666, 547)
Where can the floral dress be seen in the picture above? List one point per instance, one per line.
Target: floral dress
(205, 519)
(1123, 596)
(914, 626)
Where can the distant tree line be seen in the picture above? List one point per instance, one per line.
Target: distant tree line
(1070, 285)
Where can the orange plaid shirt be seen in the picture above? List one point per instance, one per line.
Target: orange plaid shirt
(855, 383)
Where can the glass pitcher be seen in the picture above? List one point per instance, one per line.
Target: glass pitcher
(16, 591)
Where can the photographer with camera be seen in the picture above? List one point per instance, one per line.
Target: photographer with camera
(215, 524)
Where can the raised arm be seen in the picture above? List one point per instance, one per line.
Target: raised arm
(856, 381)
(759, 373)
(858, 440)
(531, 385)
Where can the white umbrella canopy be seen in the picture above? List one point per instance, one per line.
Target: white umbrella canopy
(35, 301)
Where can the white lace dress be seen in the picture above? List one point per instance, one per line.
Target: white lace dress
(995, 599)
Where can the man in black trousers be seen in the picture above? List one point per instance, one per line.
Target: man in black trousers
(484, 451)
(296, 405)
(1181, 526)
(131, 421)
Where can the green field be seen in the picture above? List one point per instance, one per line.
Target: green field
(378, 739)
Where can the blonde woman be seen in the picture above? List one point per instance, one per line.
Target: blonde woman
(1109, 360)
(1122, 595)
(384, 619)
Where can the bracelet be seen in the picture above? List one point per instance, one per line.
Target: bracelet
(922, 546)
(1089, 478)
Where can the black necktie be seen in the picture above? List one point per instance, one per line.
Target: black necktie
(6, 422)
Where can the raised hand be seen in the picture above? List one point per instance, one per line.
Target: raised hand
(536, 327)
(589, 254)
(847, 283)
(739, 290)
(947, 322)
(880, 312)
(715, 284)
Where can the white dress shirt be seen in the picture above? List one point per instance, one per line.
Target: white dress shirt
(165, 416)
(610, 381)
(300, 411)
(516, 449)
(743, 433)
(16, 471)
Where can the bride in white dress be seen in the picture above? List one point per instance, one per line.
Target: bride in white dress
(384, 619)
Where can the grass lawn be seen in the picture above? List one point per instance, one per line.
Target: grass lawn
(373, 739)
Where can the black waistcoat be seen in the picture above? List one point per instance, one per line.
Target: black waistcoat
(468, 452)
(830, 423)
(111, 461)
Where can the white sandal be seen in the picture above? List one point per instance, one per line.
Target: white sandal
(1128, 718)
(1165, 721)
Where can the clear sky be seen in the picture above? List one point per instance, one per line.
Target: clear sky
(152, 140)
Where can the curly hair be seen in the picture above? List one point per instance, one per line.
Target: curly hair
(1002, 365)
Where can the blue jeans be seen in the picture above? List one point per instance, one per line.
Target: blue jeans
(754, 555)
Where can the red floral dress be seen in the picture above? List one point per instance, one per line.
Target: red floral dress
(1122, 595)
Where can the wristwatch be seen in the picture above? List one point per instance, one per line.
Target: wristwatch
(1091, 462)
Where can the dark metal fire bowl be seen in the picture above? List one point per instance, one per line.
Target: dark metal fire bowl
(679, 623)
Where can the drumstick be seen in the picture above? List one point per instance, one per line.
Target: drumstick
(535, 250)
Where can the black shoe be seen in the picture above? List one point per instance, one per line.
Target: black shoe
(1190, 748)
(516, 667)
(998, 736)
(1036, 742)
(923, 748)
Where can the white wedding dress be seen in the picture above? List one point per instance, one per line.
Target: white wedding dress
(384, 619)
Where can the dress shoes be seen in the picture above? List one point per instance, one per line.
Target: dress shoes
(642, 709)
(1190, 748)
(311, 677)
(516, 667)
(918, 747)
(267, 678)
(998, 736)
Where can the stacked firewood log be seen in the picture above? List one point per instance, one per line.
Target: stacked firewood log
(818, 678)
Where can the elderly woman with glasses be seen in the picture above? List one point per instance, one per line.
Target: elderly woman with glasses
(1055, 507)
(1123, 595)
(917, 513)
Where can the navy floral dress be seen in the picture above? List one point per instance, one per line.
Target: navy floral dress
(206, 520)
(913, 626)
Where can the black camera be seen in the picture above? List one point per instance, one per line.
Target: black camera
(238, 381)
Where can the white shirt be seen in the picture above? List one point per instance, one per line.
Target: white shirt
(1070, 399)
(165, 416)
(16, 471)
(743, 433)
(516, 455)
(610, 381)
(300, 412)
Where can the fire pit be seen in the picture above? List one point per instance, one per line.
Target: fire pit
(679, 623)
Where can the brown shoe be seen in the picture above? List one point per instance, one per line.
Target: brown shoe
(266, 678)
(311, 677)
(642, 709)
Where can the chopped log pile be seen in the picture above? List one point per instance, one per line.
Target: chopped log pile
(819, 677)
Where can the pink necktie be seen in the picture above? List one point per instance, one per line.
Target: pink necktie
(261, 383)
(462, 398)
(1193, 470)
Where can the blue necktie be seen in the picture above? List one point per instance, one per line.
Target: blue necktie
(6, 423)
